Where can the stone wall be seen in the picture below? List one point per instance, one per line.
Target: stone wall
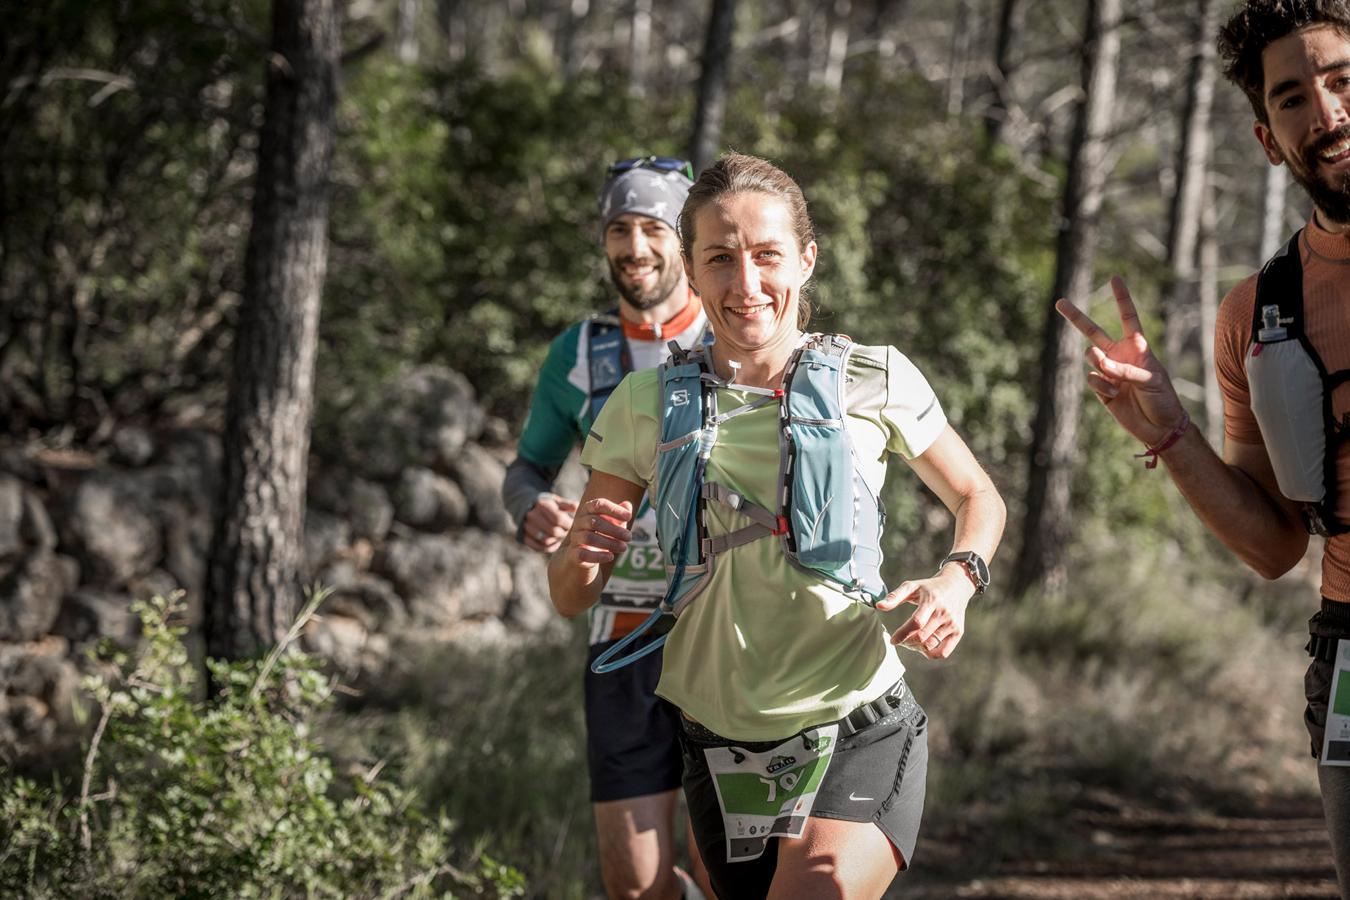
(406, 527)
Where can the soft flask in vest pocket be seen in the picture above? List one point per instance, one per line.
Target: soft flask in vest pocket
(836, 518)
(1287, 400)
(1291, 392)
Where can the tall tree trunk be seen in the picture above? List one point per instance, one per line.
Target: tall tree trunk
(1209, 312)
(1180, 308)
(813, 39)
(1047, 524)
(884, 14)
(573, 15)
(450, 18)
(1011, 18)
(833, 77)
(639, 46)
(1272, 215)
(712, 84)
(253, 570)
(409, 11)
(958, 58)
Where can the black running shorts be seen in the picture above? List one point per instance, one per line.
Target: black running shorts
(877, 775)
(632, 735)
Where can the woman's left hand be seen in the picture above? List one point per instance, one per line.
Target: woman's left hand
(939, 619)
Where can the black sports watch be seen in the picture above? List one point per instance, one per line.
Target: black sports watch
(975, 567)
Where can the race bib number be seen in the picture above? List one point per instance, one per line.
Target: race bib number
(769, 794)
(638, 580)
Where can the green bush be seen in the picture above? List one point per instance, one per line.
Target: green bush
(181, 797)
(495, 736)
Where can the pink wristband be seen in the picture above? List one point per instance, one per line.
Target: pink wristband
(1152, 452)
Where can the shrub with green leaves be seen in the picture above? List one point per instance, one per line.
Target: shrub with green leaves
(230, 797)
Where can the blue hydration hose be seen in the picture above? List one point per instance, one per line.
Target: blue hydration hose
(606, 662)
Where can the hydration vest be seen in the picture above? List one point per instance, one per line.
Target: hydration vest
(1291, 393)
(828, 519)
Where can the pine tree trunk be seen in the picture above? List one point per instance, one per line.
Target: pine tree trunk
(408, 13)
(958, 59)
(1273, 232)
(1011, 17)
(1180, 303)
(1209, 312)
(253, 569)
(712, 84)
(1047, 525)
(573, 15)
(833, 77)
(884, 14)
(639, 45)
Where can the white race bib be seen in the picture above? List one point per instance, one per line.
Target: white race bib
(769, 794)
(1336, 744)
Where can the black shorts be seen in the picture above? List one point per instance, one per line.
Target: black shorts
(877, 775)
(632, 735)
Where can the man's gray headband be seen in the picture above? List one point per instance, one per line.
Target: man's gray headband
(647, 192)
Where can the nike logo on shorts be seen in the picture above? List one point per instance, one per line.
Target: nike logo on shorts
(858, 799)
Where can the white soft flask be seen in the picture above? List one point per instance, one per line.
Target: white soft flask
(1286, 389)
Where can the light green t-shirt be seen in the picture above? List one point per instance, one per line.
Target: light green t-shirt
(768, 649)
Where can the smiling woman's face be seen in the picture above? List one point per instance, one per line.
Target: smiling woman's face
(749, 271)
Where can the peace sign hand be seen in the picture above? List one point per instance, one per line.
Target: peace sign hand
(1126, 376)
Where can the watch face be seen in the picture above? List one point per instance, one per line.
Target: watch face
(974, 564)
(981, 570)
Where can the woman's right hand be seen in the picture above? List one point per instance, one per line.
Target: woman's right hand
(599, 532)
(578, 571)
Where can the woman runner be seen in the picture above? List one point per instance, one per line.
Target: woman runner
(805, 753)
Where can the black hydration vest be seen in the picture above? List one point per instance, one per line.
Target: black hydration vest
(1294, 389)
(607, 358)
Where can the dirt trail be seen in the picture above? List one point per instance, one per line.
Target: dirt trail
(1281, 851)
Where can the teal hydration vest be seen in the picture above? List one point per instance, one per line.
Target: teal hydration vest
(828, 518)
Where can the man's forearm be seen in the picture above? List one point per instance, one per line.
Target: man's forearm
(523, 484)
(1264, 532)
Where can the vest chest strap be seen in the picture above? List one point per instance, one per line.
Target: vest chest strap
(737, 501)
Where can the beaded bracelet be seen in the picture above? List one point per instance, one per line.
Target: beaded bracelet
(1152, 452)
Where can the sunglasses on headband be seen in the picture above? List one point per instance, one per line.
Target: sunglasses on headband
(659, 163)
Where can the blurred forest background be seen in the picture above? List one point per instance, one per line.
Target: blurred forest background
(966, 162)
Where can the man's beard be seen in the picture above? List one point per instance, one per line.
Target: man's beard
(1332, 198)
(638, 299)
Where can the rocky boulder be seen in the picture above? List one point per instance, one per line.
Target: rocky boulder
(529, 606)
(364, 504)
(90, 615)
(39, 693)
(429, 501)
(327, 535)
(422, 418)
(480, 474)
(32, 590)
(112, 526)
(11, 516)
(132, 446)
(445, 578)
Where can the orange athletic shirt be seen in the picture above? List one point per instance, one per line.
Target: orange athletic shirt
(1326, 315)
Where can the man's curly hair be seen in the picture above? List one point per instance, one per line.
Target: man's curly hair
(1258, 24)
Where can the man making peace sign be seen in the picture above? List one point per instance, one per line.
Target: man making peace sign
(1282, 354)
